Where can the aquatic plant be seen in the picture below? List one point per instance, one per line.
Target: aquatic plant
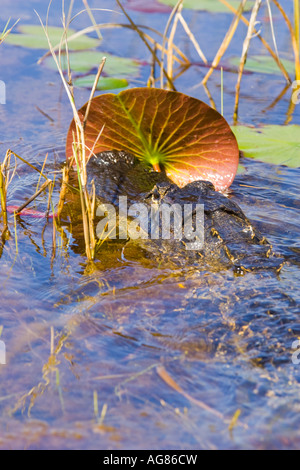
(165, 129)
(6, 31)
(271, 144)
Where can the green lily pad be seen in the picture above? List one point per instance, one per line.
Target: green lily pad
(279, 145)
(105, 83)
(264, 64)
(33, 37)
(213, 6)
(83, 62)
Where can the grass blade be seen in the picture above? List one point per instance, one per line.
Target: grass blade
(227, 40)
(244, 54)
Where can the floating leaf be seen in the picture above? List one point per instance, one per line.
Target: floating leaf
(165, 129)
(33, 36)
(105, 83)
(264, 64)
(114, 73)
(30, 212)
(85, 61)
(147, 7)
(213, 6)
(271, 144)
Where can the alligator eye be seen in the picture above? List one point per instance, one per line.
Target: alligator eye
(155, 194)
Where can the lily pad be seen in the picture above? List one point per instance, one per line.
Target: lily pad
(85, 61)
(105, 83)
(213, 6)
(165, 129)
(264, 64)
(33, 36)
(279, 145)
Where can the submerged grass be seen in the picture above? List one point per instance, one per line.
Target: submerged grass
(6, 176)
(7, 173)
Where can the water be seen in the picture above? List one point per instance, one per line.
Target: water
(115, 325)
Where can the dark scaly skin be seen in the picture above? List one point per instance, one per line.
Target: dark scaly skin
(230, 239)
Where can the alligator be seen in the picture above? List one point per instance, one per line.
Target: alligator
(230, 240)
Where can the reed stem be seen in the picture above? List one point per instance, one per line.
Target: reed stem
(297, 35)
(246, 45)
(297, 21)
(263, 41)
(226, 41)
(293, 34)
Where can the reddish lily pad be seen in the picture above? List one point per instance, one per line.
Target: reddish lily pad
(30, 212)
(147, 7)
(165, 129)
